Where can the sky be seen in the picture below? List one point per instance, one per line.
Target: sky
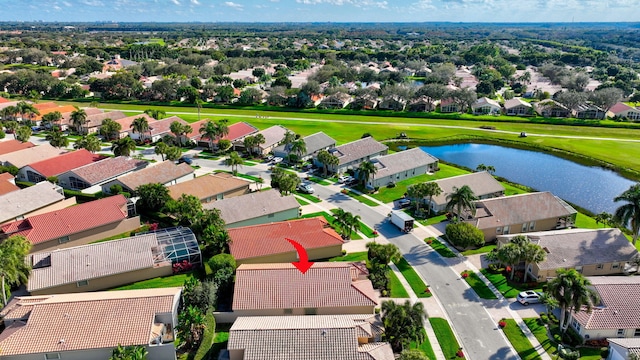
(322, 10)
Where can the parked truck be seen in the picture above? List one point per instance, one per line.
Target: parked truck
(402, 220)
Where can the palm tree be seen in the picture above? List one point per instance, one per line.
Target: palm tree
(178, 130)
(327, 159)
(604, 218)
(52, 118)
(199, 102)
(209, 131)
(353, 224)
(572, 291)
(222, 129)
(89, 142)
(432, 189)
(298, 148)
(137, 352)
(12, 126)
(23, 133)
(161, 149)
(13, 268)
(249, 142)
(27, 109)
(403, 323)
(140, 125)
(234, 160)
(57, 139)
(460, 199)
(510, 254)
(488, 168)
(532, 253)
(341, 221)
(288, 138)
(156, 114)
(367, 170)
(110, 129)
(9, 113)
(78, 119)
(629, 213)
(123, 147)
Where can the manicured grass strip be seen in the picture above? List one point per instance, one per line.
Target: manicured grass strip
(540, 332)
(519, 341)
(301, 202)
(425, 346)
(250, 163)
(319, 180)
(446, 339)
(356, 256)
(507, 289)
(312, 198)
(433, 220)
(586, 222)
(413, 279)
(442, 249)
(367, 231)
(207, 338)
(159, 282)
(220, 341)
(240, 175)
(396, 290)
(331, 220)
(361, 198)
(478, 285)
(483, 250)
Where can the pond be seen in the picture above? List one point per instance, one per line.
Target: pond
(589, 187)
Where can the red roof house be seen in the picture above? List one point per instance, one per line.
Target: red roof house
(41, 170)
(237, 132)
(7, 183)
(10, 146)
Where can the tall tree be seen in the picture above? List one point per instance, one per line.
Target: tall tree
(110, 129)
(532, 253)
(14, 269)
(403, 323)
(234, 160)
(191, 324)
(629, 213)
(23, 133)
(161, 149)
(179, 129)
(153, 196)
(298, 147)
(209, 131)
(51, 119)
(134, 352)
(604, 218)
(123, 147)
(140, 125)
(12, 126)
(366, 170)
(327, 159)
(57, 139)
(78, 119)
(461, 199)
(89, 142)
(27, 110)
(572, 291)
(488, 168)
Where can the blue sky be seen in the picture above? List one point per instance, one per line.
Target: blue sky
(322, 10)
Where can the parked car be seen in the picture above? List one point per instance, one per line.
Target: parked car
(276, 160)
(186, 160)
(529, 297)
(305, 188)
(343, 179)
(351, 182)
(269, 158)
(403, 203)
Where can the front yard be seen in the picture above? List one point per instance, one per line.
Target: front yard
(507, 288)
(519, 341)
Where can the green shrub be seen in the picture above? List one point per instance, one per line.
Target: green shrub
(553, 319)
(572, 337)
(464, 235)
(207, 338)
(604, 352)
(557, 338)
(544, 319)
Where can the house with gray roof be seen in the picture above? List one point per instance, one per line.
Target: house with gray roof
(272, 138)
(400, 166)
(344, 337)
(483, 185)
(351, 155)
(593, 252)
(517, 107)
(622, 348)
(314, 143)
(38, 199)
(24, 157)
(589, 111)
(97, 173)
(165, 173)
(256, 208)
(95, 121)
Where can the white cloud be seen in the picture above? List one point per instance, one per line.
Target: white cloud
(67, 4)
(195, 2)
(274, 0)
(356, 3)
(423, 5)
(231, 4)
(176, 2)
(92, 2)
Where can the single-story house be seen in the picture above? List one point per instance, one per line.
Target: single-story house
(48, 108)
(95, 121)
(237, 133)
(392, 102)
(299, 337)
(314, 143)
(7, 183)
(126, 122)
(65, 123)
(449, 106)
(109, 264)
(483, 185)
(617, 315)
(327, 288)
(517, 107)
(211, 187)
(422, 104)
(364, 102)
(624, 111)
(484, 106)
(24, 157)
(591, 252)
(350, 155)
(160, 128)
(9, 146)
(400, 166)
(97, 173)
(540, 211)
(551, 108)
(256, 208)
(588, 111)
(267, 243)
(621, 348)
(56, 166)
(90, 325)
(75, 225)
(338, 100)
(165, 173)
(272, 138)
(33, 200)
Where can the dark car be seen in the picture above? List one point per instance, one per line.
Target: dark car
(403, 203)
(185, 160)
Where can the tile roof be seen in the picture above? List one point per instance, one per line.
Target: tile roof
(45, 105)
(68, 322)
(70, 265)
(631, 344)
(511, 103)
(29, 199)
(12, 145)
(207, 186)
(619, 306)
(482, 184)
(163, 126)
(108, 168)
(66, 114)
(272, 135)
(162, 173)
(3, 100)
(620, 107)
(65, 162)
(317, 337)
(195, 128)
(358, 149)
(580, 247)
(313, 142)
(253, 205)
(7, 184)
(402, 161)
(96, 119)
(56, 224)
(61, 109)
(517, 209)
(126, 122)
(283, 286)
(237, 131)
(24, 157)
(485, 101)
(7, 104)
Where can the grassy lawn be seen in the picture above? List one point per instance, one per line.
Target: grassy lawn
(220, 340)
(540, 332)
(441, 248)
(510, 189)
(367, 231)
(433, 220)
(483, 250)
(396, 290)
(478, 285)
(356, 256)
(519, 341)
(240, 175)
(301, 202)
(413, 279)
(319, 180)
(586, 222)
(331, 221)
(446, 339)
(361, 198)
(312, 198)
(425, 346)
(160, 282)
(507, 289)
(249, 163)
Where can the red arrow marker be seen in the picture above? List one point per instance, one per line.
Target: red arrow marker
(303, 265)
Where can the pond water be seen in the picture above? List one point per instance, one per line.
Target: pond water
(592, 188)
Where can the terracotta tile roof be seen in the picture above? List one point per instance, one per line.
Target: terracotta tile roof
(402, 161)
(108, 168)
(70, 265)
(620, 107)
(65, 162)
(29, 199)
(620, 304)
(96, 119)
(7, 184)
(207, 186)
(283, 286)
(12, 145)
(7, 104)
(60, 109)
(24, 157)
(83, 321)
(359, 149)
(126, 122)
(71, 220)
(45, 105)
(482, 184)
(163, 126)
(66, 114)
(237, 131)
(3, 100)
(195, 128)
(162, 173)
(254, 205)
(268, 239)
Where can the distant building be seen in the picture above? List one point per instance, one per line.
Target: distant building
(351, 155)
(165, 173)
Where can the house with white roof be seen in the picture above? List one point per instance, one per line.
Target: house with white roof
(517, 107)
(400, 166)
(483, 185)
(484, 106)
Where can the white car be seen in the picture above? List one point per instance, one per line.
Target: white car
(529, 297)
(276, 160)
(306, 188)
(343, 179)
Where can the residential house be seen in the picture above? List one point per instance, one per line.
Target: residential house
(313, 143)
(75, 225)
(160, 128)
(338, 100)
(592, 252)
(617, 315)
(109, 264)
(321, 337)
(97, 173)
(211, 187)
(24, 157)
(422, 104)
(449, 106)
(56, 166)
(7, 183)
(268, 243)
(90, 325)
(260, 207)
(33, 200)
(49, 108)
(483, 185)
(400, 166)
(237, 133)
(364, 102)
(126, 122)
(272, 138)
(551, 108)
(622, 348)
(165, 173)
(484, 106)
(117, 63)
(540, 211)
(92, 126)
(589, 111)
(9, 146)
(392, 102)
(351, 155)
(517, 107)
(65, 123)
(624, 111)
(327, 288)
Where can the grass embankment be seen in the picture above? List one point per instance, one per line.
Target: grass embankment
(417, 285)
(396, 290)
(481, 250)
(507, 289)
(550, 346)
(220, 340)
(446, 339)
(361, 198)
(312, 198)
(159, 282)
(519, 341)
(478, 285)
(440, 248)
